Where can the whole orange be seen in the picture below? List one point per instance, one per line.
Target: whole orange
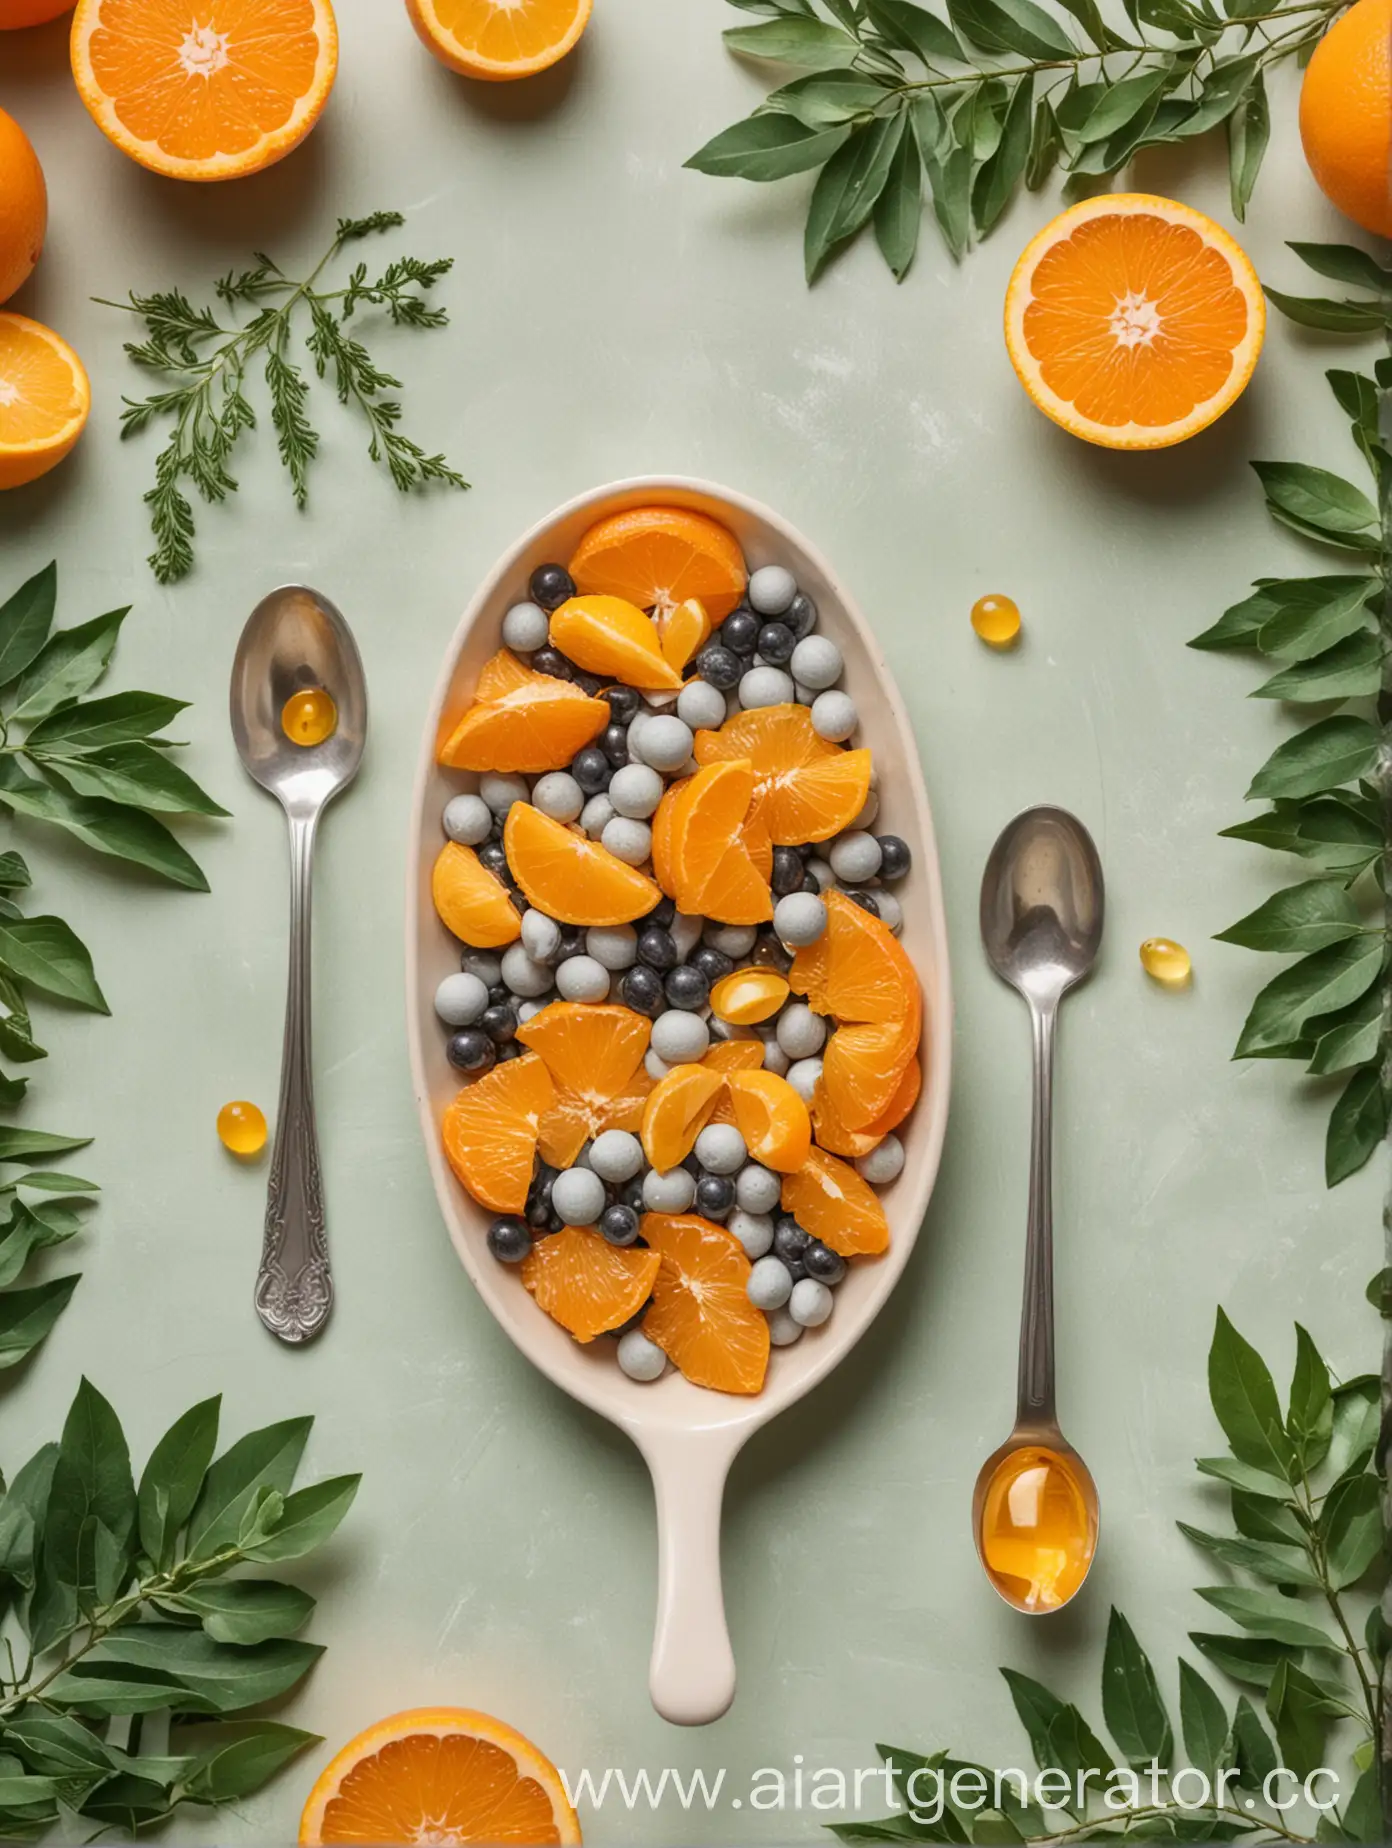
(1346, 115)
(15, 13)
(23, 206)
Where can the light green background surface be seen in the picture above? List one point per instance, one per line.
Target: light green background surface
(613, 314)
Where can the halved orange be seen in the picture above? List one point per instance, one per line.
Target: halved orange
(1134, 321)
(772, 1118)
(594, 1056)
(683, 630)
(471, 901)
(522, 720)
(657, 557)
(701, 1316)
(490, 1132)
(586, 1284)
(609, 636)
(805, 789)
(207, 92)
(678, 1108)
(498, 40)
(831, 1201)
(439, 1774)
(834, 1136)
(44, 399)
(572, 879)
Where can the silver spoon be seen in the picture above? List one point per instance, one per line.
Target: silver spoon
(295, 641)
(1042, 905)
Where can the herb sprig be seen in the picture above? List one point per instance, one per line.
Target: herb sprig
(1329, 638)
(897, 102)
(210, 366)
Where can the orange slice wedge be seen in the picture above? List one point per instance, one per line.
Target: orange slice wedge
(207, 92)
(586, 1284)
(606, 635)
(704, 853)
(683, 631)
(805, 789)
(521, 720)
(701, 1316)
(44, 400)
(594, 1056)
(678, 1108)
(734, 1055)
(490, 1132)
(834, 1136)
(830, 1200)
(1134, 321)
(574, 880)
(870, 976)
(658, 557)
(498, 40)
(471, 901)
(441, 1774)
(748, 996)
(863, 1066)
(772, 1118)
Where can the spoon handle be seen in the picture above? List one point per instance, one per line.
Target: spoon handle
(1036, 1386)
(294, 1290)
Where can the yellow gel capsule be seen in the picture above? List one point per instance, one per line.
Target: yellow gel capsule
(996, 620)
(748, 996)
(309, 717)
(1165, 961)
(241, 1128)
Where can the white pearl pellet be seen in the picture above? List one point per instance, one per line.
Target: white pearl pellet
(530, 1009)
(581, 978)
(720, 1149)
(783, 1330)
(730, 1029)
(799, 919)
(817, 662)
(629, 841)
(855, 857)
(771, 590)
(526, 628)
(891, 911)
(639, 1358)
(757, 1189)
(685, 933)
(866, 817)
(679, 1037)
(664, 742)
(801, 1033)
(596, 815)
(460, 1000)
(701, 706)
(805, 696)
(541, 936)
(834, 716)
(524, 977)
(577, 1195)
(558, 796)
(754, 1231)
(884, 1163)
(500, 792)
(769, 1285)
(468, 820)
(775, 1059)
(635, 730)
(613, 946)
(635, 791)
(802, 1076)
(487, 967)
(657, 1069)
(765, 686)
(822, 873)
(616, 1156)
(735, 940)
(672, 1192)
(810, 1303)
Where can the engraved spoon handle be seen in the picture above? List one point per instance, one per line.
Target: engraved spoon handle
(294, 1290)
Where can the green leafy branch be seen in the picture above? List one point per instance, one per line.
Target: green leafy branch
(1329, 636)
(897, 103)
(209, 365)
(124, 1602)
(1306, 1563)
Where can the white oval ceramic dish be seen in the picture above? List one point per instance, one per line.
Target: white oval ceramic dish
(688, 1436)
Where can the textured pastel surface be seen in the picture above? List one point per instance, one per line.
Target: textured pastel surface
(613, 314)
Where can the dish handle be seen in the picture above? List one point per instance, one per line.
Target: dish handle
(692, 1674)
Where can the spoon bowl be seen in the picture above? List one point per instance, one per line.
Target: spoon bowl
(1042, 903)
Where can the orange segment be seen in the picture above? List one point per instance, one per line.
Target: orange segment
(862, 1068)
(490, 1132)
(586, 1284)
(701, 1316)
(471, 901)
(870, 976)
(748, 996)
(772, 1118)
(810, 972)
(204, 92)
(1134, 321)
(834, 1136)
(497, 40)
(736, 1055)
(662, 824)
(704, 853)
(606, 635)
(683, 631)
(830, 1200)
(805, 788)
(44, 400)
(440, 1774)
(678, 1109)
(593, 1055)
(657, 557)
(521, 720)
(572, 879)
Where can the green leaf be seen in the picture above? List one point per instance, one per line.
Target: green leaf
(195, 1674)
(1321, 757)
(1349, 1037)
(1011, 25)
(824, 99)
(899, 209)
(20, 1144)
(1300, 918)
(55, 1745)
(237, 1768)
(1357, 1124)
(996, 182)
(1244, 1478)
(25, 620)
(1316, 497)
(1120, 103)
(793, 41)
(1202, 1720)
(247, 1610)
(48, 954)
(1356, 1413)
(1311, 1419)
(1131, 1703)
(950, 179)
(1249, 131)
(1264, 1559)
(1313, 613)
(56, 1183)
(114, 720)
(1345, 263)
(14, 874)
(1254, 1756)
(1362, 1817)
(105, 826)
(766, 147)
(308, 1518)
(173, 1477)
(1301, 1712)
(1268, 1615)
(1074, 1747)
(1089, 16)
(1329, 316)
(1351, 669)
(91, 1483)
(1351, 1528)
(1248, 1659)
(138, 774)
(849, 186)
(265, 1459)
(68, 665)
(1244, 1401)
(26, 1316)
(1045, 143)
(1038, 1709)
(1318, 984)
(913, 28)
(1357, 397)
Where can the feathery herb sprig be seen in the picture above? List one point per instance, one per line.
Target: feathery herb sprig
(210, 365)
